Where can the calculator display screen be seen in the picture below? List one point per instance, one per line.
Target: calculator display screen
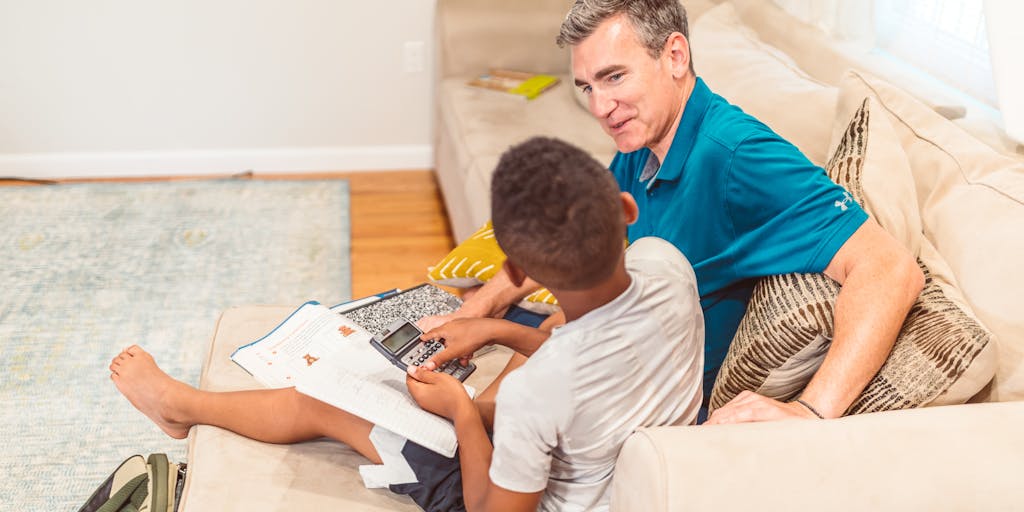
(398, 339)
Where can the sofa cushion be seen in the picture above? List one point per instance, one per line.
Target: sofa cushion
(940, 458)
(316, 475)
(230, 472)
(485, 123)
(491, 121)
(972, 209)
(475, 261)
(763, 81)
(789, 322)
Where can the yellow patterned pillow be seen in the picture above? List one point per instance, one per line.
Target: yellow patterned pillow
(475, 261)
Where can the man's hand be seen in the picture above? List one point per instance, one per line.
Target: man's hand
(462, 337)
(429, 323)
(471, 308)
(491, 300)
(749, 406)
(466, 312)
(438, 393)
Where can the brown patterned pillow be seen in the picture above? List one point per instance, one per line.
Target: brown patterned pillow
(942, 355)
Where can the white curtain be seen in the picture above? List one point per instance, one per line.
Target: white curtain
(979, 51)
(1006, 44)
(945, 38)
(847, 21)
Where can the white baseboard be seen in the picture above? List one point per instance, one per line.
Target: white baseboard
(213, 162)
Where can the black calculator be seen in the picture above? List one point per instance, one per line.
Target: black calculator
(400, 342)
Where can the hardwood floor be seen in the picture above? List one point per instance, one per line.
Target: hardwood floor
(399, 225)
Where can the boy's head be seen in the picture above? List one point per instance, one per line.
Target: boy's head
(557, 214)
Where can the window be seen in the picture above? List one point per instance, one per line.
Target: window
(945, 38)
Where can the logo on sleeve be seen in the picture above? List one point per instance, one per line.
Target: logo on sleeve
(842, 205)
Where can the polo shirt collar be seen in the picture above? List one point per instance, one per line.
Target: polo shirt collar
(686, 133)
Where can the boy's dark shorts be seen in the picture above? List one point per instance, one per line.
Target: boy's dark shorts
(439, 485)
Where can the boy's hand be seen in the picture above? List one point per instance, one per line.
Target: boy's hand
(438, 393)
(462, 337)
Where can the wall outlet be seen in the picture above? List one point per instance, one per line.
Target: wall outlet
(413, 56)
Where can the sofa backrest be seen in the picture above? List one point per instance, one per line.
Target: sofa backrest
(971, 201)
(475, 35)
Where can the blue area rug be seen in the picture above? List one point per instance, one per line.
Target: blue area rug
(89, 269)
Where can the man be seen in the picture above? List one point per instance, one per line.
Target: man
(738, 200)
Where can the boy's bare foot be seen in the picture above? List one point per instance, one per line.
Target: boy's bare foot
(150, 390)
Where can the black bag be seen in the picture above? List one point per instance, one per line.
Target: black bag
(152, 484)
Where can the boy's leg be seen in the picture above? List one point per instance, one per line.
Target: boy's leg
(270, 415)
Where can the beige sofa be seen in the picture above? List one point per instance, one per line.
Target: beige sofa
(970, 191)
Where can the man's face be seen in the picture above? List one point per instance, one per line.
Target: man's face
(631, 94)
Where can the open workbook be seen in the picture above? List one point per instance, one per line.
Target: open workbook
(327, 355)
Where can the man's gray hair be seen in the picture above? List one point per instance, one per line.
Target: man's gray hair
(653, 20)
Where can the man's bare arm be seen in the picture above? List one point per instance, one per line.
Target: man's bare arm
(491, 299)
(497, 294)
(880, 282)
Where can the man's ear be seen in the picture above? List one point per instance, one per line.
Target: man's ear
(515, 274)
(629, 208)
(677, 49)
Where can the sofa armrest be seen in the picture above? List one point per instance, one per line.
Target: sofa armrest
(474, 35)
(962, 457)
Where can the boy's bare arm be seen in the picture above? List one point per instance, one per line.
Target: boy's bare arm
(444, 395)
(475, 450)
(464, 336)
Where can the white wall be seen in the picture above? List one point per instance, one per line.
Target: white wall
(130, 87)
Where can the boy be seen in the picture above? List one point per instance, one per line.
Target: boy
(630, 355)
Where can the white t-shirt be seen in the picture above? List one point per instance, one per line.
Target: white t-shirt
(562, 417)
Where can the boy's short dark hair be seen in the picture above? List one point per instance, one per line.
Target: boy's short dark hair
(557, 214)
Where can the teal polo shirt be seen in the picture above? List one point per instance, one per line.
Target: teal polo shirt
(741, 203)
